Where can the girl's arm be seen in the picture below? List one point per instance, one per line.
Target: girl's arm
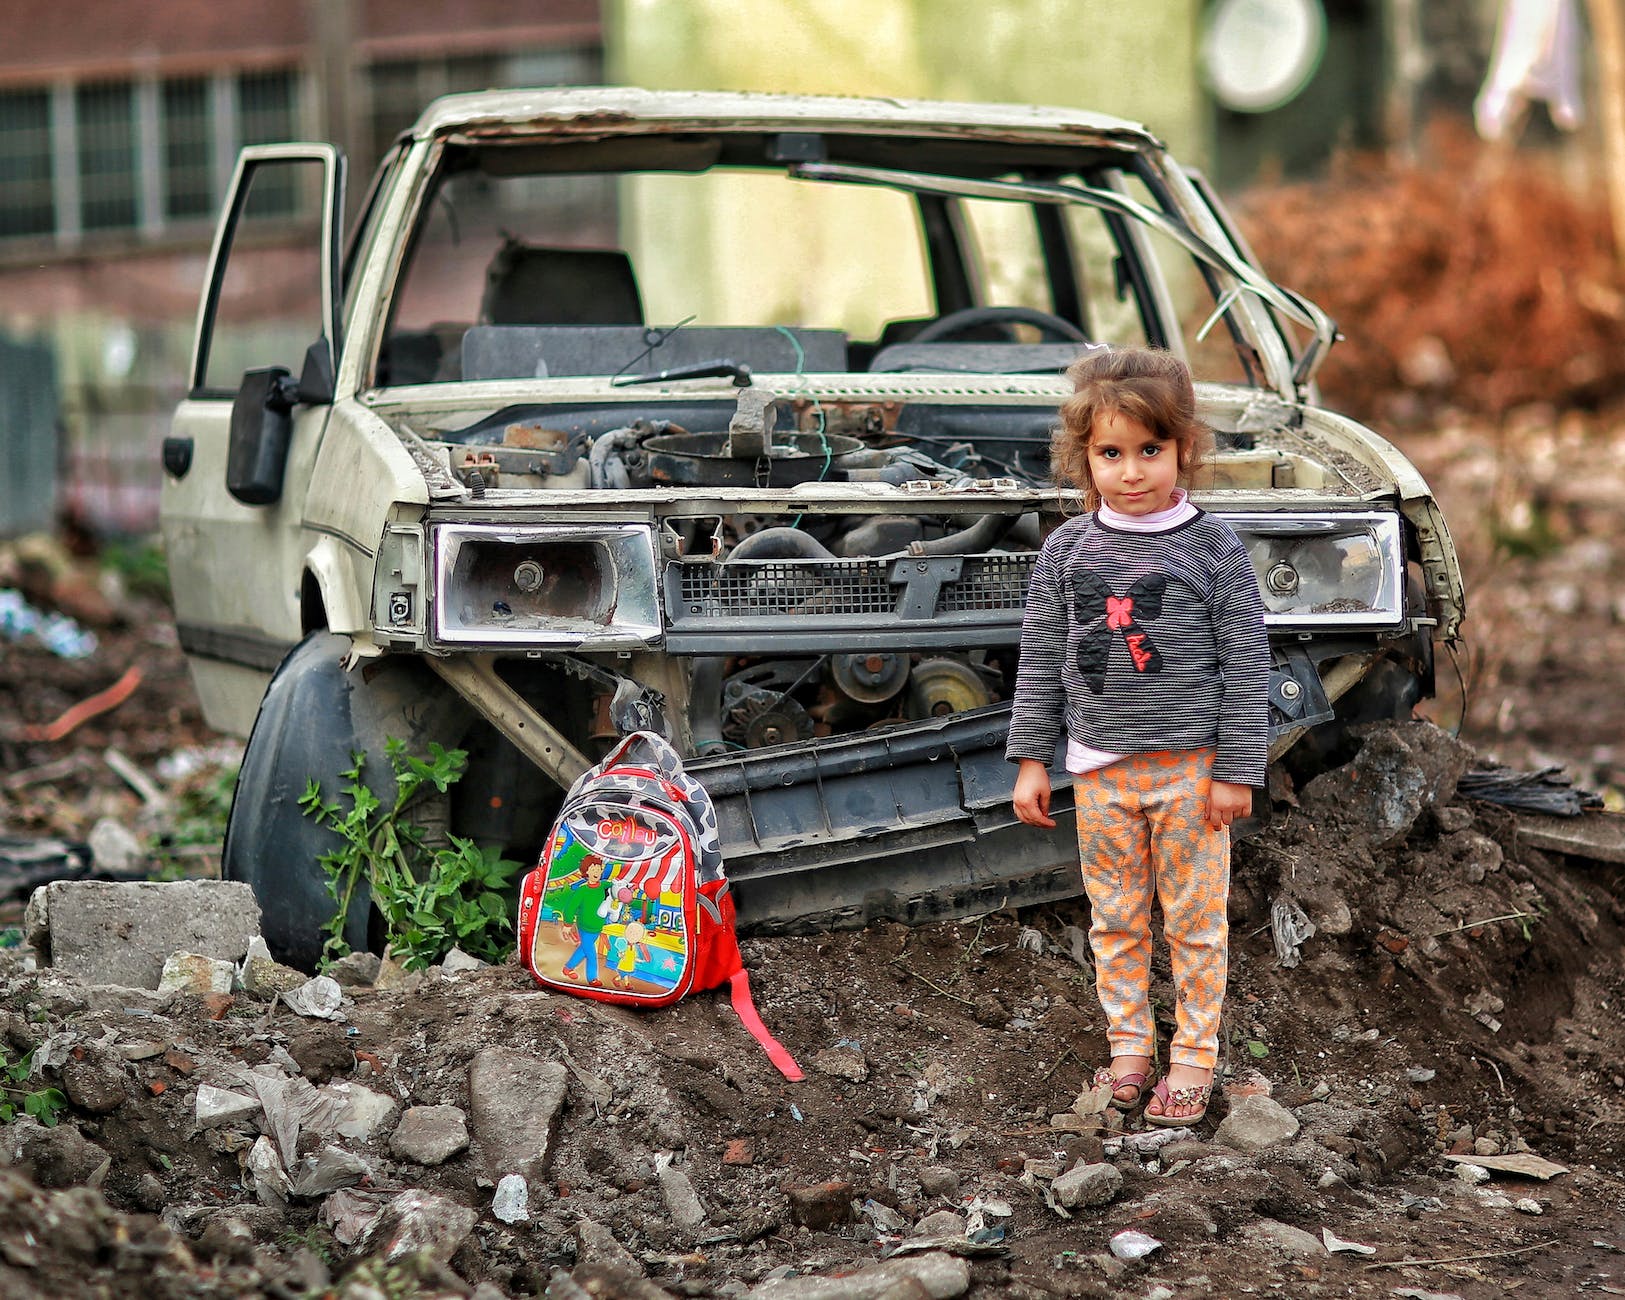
(1038, 712)
(1244, 667)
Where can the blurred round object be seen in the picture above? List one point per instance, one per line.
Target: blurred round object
(1258, 54)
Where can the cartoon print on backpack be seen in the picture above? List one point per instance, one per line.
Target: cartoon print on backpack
(1094, 598)
(631, 879)
(613, 922)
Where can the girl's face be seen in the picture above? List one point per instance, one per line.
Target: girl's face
(1135, 471)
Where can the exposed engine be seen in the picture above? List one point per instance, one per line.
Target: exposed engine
(745, 701)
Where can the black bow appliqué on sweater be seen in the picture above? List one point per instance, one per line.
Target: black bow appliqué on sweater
(1092, 599)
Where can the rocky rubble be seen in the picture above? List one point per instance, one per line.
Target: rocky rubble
(461, 1132)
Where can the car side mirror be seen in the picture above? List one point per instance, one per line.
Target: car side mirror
(261, 425)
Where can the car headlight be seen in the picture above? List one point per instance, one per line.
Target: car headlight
(581, 587)
(1317, 571)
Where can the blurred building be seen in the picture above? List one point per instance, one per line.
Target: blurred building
(120, 124)
(119, 127)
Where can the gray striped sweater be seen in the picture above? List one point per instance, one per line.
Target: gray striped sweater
(1137, 642)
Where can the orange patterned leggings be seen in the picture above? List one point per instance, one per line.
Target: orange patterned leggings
(1142, 829)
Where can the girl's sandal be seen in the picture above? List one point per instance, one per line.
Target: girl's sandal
(1135, 1079)
(1169, 1097)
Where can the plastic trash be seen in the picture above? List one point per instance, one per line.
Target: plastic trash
(1334, 1244)
(1130, 1244)
(56, 632)
(320, 997)
(1289, 926)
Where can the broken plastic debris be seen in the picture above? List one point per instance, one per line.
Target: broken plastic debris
(795, 1112)
(1030, 940)
(1130, 1244)
(56, 632)
(1148, 1141)
(1418, 1074)
(1334, 1243)
(1077, 946)
(328, 1170)
(511, 1203)
(884, 1217)
(1289, 926)
(271, 1182)
(350, 1214)
(320, 997)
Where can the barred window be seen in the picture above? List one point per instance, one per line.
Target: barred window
(27, 206)
(188, 153)
(104, 119)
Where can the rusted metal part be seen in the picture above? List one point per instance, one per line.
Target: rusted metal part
(588, 112)
(475, 678)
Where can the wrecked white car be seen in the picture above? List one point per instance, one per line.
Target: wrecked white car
(727, 416)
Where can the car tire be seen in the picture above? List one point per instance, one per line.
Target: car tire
(315, 716)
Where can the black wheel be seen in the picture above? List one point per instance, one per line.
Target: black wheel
(968, 319)
(314, 717)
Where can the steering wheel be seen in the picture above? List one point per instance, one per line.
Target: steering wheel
(968, 318)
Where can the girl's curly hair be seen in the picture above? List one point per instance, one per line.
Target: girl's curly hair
(1145, 384)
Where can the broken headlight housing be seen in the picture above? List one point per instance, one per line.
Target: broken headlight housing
(585, 587)
(1316, 571)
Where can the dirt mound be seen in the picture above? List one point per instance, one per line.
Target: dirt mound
(1473, 277)
(1454, 1000)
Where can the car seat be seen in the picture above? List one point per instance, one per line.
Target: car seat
(529, 284)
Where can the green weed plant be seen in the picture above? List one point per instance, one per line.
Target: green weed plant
(430, 899)
(16, 1098)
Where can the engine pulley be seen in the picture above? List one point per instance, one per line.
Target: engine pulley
(940, 687)
(870, 678)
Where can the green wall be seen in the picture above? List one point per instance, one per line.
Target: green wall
(1132, 60)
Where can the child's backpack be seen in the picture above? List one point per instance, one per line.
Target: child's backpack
(629, 902)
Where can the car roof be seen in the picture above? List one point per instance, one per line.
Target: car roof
(599, 110)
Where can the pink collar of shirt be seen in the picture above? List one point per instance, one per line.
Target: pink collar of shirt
(1176, 513)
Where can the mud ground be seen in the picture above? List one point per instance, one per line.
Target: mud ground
(1460, 997)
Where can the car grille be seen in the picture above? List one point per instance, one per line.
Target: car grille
(848, 604)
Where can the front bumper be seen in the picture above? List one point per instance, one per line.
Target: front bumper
(913, 823)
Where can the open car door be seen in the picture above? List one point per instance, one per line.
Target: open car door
(242, 443)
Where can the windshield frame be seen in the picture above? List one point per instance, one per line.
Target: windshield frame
(1250, 303)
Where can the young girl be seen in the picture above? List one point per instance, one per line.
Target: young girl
(1144, 637)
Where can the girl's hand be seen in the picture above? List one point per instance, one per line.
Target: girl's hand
(1226, 802)
(1031, 799)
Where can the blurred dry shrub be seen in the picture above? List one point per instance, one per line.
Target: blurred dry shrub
(1473, 277)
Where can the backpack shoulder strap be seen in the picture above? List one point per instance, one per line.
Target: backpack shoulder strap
(745, 1007)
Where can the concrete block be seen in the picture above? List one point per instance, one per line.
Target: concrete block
(120, 932)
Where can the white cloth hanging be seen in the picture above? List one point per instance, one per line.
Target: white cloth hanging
(1537, 56)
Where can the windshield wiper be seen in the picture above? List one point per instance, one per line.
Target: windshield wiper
(1284, 300)
(739, 373)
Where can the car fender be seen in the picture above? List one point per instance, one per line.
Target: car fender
(342, 576)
